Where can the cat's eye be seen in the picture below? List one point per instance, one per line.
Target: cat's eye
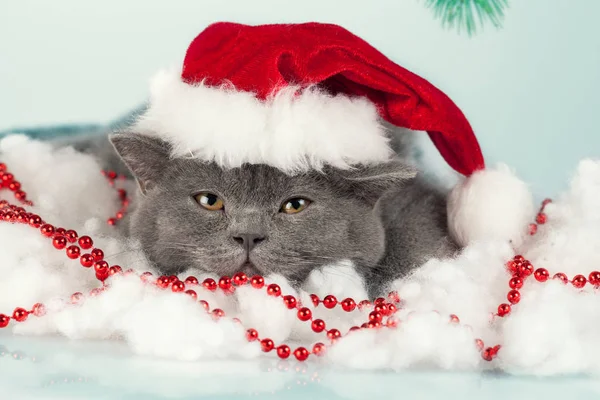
(210, 201)
(295, 205)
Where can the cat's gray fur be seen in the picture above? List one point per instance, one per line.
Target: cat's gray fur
(382, 218)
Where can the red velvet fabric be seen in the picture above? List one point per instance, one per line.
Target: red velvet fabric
(262, 58)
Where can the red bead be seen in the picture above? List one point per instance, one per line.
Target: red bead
(301, 354)
(101, 273)
(35, 221)
(119, 215)
(2, 166)
(594, 278)
(122, 194)
(101, 265)
(304, 314)
(38, 310)
(14, 186)
(71, 235)
(115, 269)
(318, 325)
(60, 231)
(479, 344)
(76, 297)
(526, 269)
(546, 202)
(9, 216)
(513, 296)
(394, 297)
(95, 292)
(562, 277)
(209, 284)
(47, 230)
(329, 301)
(541, 275)
(225, 283)
(192, 294)
(348, 304)
(112, 175)
(511, 266)
(363, 304)
(257, 282)
(97, 254)
(290, 301)
(273, 290)
(4, 320)
(86, 242)
(111, 221)
(375, 316)
(20, 195)
(373, 324)
(218, 313)
(495, 349)
(392, 322)
(488, 354)
(22, 217)
(146, 277)
(7, 177)
(454, 319)
(519, 258)
(318, 349)
(251, 335)
(541, 218)
(315, 299)
(59, 242)
(191, 280)
(533, 229)
(267, 345)
(20, 314)
(73, 252)
(240, 279)
(333, 334)
(178, 286)
(379, 300)
(381, 308)
(503, 309)
(579, 281)
(163, 282)
(204, 304)
(515, 283)
(283, 351)
(391, 309)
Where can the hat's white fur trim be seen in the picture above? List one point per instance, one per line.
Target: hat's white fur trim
(290, 131)
(491, 204)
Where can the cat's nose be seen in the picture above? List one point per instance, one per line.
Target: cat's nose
(249, 240)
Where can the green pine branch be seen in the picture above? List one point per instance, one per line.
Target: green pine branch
(467, 14)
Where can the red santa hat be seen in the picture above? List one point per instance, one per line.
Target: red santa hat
(301, 96)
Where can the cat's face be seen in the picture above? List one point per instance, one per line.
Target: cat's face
(254, 218)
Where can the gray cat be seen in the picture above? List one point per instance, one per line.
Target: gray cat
(259, 220)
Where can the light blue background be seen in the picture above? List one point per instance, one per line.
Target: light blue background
(529, 90)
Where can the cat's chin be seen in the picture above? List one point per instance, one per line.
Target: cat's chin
(249, 269)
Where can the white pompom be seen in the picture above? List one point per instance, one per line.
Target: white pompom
(491, 204)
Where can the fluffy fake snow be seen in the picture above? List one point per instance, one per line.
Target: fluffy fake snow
(554, 329)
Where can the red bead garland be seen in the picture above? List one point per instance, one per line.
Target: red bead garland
(382, 314)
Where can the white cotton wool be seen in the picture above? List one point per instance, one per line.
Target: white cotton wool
(554, 329)
(267, 314)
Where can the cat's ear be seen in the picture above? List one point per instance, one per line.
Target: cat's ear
(145, 156)
(371, 182)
